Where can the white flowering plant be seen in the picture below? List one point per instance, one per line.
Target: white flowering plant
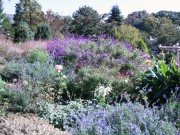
(101, 92)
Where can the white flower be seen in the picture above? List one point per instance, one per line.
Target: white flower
(102, 91)
(64, 76)
(126, 80)
(25, 83)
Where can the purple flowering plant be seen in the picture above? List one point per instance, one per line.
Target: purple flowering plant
(102, 51)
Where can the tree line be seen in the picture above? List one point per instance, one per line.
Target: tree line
(30, 22)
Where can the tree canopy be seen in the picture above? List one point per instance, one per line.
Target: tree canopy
(115, 16)
(86, 21)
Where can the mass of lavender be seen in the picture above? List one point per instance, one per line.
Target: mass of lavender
(122, 118)
(126, 118)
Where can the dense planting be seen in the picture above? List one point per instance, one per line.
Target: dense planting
(88, 74)
(100, 51)
(81, 85)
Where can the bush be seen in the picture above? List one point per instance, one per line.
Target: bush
(19, 99)
(11, 70)
(160, 82)
(126, 118)
(87, 79)
(59, 114)
(129, 34)
(37, 55)
(23, 33)
(43, 31)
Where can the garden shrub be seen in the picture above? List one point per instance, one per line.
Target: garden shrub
(88, 78)
(125, 118)
(43, 32)
(23, 32)
(59, 114)
(11, 70)
(160, 82)
(128, 33)
(171, 109)
(37, 55)
(19, 99)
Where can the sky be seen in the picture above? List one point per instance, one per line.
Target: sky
(67, 7)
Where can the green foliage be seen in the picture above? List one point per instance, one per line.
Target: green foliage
(59, 114)
(11, 70)
(115, 16)
(2, 85)
(1, 14)
(23, 33)
(168, 35)
(161, 81)
(174, 16)
(28, 11)
(38, 55)
(43, 32)
(143, 46)
(86, 21)
(128, 34)
(85, 83)
(135, 18)
(19, 99)
(7, 28)
(4, 96)
(67, 20)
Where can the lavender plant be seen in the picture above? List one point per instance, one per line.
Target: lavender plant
(126, 118)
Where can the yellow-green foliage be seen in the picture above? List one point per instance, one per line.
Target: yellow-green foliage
(38, 55)
(128, 34)
(143, 46)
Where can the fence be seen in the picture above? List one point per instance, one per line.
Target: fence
(174, 48)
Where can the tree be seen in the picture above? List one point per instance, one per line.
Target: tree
(115, 16)
(2, 16)
(67, 20)
(29, 11)
(7, 28)
(43, 31)
(86, 22)
(55, 21)
(23, 32)
(173, 16)
(135, 18)
(168, 35)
